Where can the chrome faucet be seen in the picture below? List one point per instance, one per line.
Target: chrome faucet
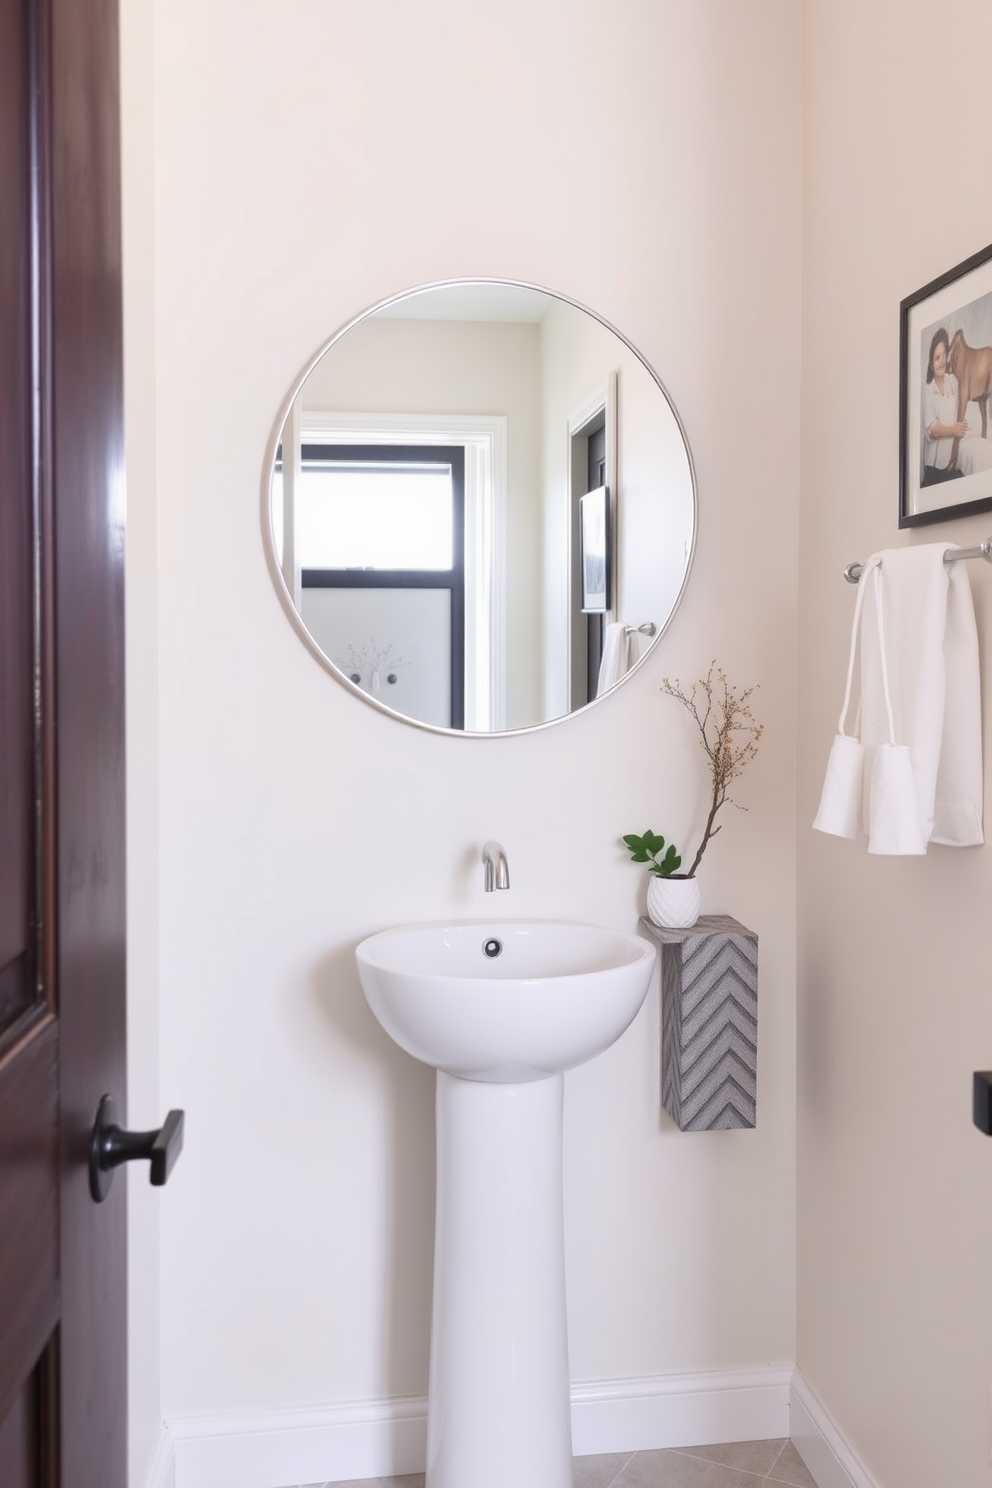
(497, 868)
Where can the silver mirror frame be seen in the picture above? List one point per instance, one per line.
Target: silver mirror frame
(269, 536)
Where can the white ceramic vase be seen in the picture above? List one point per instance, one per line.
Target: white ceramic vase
(673, 903)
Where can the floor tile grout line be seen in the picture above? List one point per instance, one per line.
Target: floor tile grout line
(787, 1482)
(759, 1477)
(765, 1479)
(622, 1470)
(767, 1476)
(778, 1459)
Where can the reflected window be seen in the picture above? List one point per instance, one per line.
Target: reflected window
(379, 515)
(379, 533)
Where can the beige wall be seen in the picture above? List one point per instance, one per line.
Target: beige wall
(290, 819)
(895, 1200)
(143, 1104)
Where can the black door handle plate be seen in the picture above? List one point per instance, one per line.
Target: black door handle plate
(110, 1146)
(981, 1100)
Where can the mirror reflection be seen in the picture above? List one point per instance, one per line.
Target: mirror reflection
(482, 507)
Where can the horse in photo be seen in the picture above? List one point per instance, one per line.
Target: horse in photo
(972, 366)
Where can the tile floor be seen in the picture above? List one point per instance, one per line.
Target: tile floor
(760, 1464)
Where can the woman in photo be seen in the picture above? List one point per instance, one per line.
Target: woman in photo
(941, 425)
(950, 448)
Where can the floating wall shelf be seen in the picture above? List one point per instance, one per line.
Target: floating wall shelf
(709, 1023)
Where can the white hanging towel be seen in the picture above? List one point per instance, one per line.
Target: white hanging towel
(616, 656)
(840, 799)
(874, 784)
(920, 709)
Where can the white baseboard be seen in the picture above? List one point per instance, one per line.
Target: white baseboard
(821, 1444)
(638, 1415)
(375, 1439)
(387, 1438)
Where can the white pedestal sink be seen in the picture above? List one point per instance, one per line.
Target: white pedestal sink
(501, 1009)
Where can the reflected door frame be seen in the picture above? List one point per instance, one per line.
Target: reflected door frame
(597, 410)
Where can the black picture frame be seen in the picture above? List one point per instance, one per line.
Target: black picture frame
(596, 550)
(942, 478)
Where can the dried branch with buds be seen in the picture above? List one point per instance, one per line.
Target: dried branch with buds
(729, 735)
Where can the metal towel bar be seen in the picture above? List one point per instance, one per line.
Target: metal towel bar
(853, 571)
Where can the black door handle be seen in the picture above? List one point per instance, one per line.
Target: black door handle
(110, 1146)
(981, 1100)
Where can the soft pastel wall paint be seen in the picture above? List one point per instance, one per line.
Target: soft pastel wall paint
(297, 169)
(143, 1108)
(895, 1203)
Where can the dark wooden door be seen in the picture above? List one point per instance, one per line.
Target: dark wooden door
(63, 1415)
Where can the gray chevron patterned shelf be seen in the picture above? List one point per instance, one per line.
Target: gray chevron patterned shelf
(709, 1023)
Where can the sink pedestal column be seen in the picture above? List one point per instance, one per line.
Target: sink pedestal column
(499, 1412)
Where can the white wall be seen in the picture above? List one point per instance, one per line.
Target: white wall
(143, 1090)
(895, 1203)
(296, 1232)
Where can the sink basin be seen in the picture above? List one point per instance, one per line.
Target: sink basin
(501, 1009)
(504, 1001)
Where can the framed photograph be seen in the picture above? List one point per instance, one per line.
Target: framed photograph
(945, 382)
(594, 528)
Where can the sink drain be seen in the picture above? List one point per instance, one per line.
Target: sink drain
(493, 948)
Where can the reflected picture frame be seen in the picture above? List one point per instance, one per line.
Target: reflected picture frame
(595, 550)
(945, 391)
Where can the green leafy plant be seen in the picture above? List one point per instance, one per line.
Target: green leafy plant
(648, 848)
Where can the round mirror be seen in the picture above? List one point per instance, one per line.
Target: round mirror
(480, 507)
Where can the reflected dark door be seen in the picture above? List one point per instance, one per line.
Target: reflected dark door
(63, 1416)
(595, 624)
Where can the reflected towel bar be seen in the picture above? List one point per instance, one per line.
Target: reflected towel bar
(648, 628)
(853, 571)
